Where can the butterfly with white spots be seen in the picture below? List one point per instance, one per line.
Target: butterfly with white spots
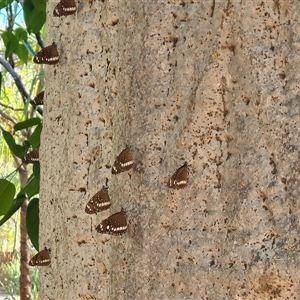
(48, 55)
(99, 202)
(65, 8)
(180, 178)
(123, 162)
(116, 224)
(42, 258)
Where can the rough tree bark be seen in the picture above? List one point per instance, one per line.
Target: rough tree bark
(213, 83)
(25, 282)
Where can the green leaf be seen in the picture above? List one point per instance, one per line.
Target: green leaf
(34, 15)
(21, 34)
(27, 9)
(36, 136)
(5, 3)
(26, 124)
(32, 222)
(16, 149)
(39, 5)
(7, 193)
(26, 144)
(35, 20)
(36, 171)
(22, 53)
(31, 188)
(16, 205)
(11, 43)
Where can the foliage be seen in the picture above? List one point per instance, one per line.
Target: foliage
(22, 127)
(32, 221)
(9, 203)
(13, 44)
(7, 194)
(7, 236)
(34, 14)
(16, 39)
(20, 124)
(10, 278)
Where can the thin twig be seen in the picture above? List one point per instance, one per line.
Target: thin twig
(10, 107)
(11, 21)
(18, 81)
(39, 40)
(7, 117)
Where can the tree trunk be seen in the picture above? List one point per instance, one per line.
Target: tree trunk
(213, 83)
(25, 282)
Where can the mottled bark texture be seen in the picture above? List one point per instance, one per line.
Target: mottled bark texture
(25, 282)
(213, 83)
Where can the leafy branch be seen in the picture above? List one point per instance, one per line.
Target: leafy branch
(19, 83)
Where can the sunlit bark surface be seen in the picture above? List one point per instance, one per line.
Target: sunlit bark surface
(212, 83)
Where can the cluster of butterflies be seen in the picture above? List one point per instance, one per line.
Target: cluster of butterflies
(116, 224)
(49, 55)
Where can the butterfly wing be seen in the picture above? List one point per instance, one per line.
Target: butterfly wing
(179, 179)
(39, 99)
(42, 258)
(48, 55)
(99, 202)
(65, 8)
(123, 162)
(116, 224)
(32, 157)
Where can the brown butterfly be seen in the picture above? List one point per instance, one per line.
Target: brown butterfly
(123, 162)
(32, 157)
(180, 178)
(38, 99)
(99, 202)
(42, 258)
(116, 224)
(65, 8)
(47, 55)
